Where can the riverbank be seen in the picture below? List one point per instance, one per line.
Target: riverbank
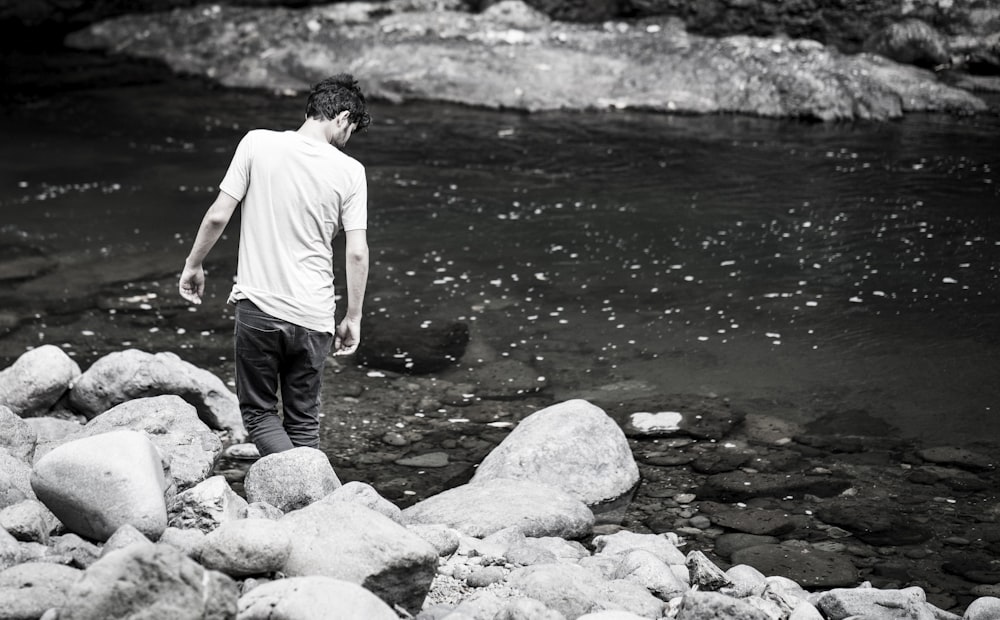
(511, 56)
(826, 511)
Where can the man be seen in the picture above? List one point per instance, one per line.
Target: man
(298, 190)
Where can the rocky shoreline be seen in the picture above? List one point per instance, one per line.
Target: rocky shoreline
(659, 509)
(511, 56)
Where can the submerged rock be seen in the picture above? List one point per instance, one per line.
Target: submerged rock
(500, 59)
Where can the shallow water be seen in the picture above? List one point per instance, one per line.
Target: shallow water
(796, 269)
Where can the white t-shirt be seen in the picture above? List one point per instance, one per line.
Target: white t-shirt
(297, 193)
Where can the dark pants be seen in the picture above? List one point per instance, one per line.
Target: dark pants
(271, 353)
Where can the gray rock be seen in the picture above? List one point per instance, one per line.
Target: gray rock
(486, 576)
(503, 379)
(347, 541)
(429, 460)
(704, 574)
(123, 537)
(872, 526)
(188, 541)
(962, 457)
(574, 446)
(16, 435)
(36, 380)
(626, 541)
(698, 605)
(983, 608)
(126, 375)
(206, 505)
(574, 591)
(911, 41)
(80, 552)
(611, 615)
(644, 568)
(262, 510)
(805, 565)
(486, 507)
(908, 603)
(312, 598)
(479, 59)
(28, 521)
(10, 550)
(246, 547)
(367, 496)
(172, 424)
(728, 544)
(15, 480)
(441, 537)
(529, 609)
(739, 486)
(292, 479)
(744, 580)
(150, 581)
(28, 590)
(755, 521)
(50, 431)
(97, 484)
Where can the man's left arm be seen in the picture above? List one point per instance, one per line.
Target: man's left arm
(356, 268)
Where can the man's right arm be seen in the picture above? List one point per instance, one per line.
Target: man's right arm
(192, 281)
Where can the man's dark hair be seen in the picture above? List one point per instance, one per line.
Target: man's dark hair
(335, 94)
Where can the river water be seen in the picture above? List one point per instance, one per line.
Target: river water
(837, 271)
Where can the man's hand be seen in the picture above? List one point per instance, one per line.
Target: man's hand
(192, 284)
(347, 338)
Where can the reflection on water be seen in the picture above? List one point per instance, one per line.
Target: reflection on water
(793, 268)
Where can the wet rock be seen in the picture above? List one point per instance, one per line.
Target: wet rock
(574, 591)
(807, 566)
(720, 461)
(973, 566)
(506, 379)
(956, 479)
(484, 508)
(959, 457)
(728, 544)
(126, 375)
(755, 521)
(292, 479)
(431, 460)
(738, 486)
(415, 54)
(701, 418)
(28, 590)
(416, 348)
(153, 581)
(173, 425)
(206, 506)
(350, 542)
(697, 605)
(36, 380)
(909, 603)
(246, 547)
(97, 484)
(312, 598)
(911, 41)
(573, 446)
(17, 437)
(873, 527)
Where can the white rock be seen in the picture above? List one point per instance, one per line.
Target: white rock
(29, 521)
(805, 611)
(983, 608)
(292, 479)
(611, 615)
(646, 569)
(97, 484)
(246, 547)
(206, 505)
(574, 446)
(15, 480)
(36, 380)
(573, 591)
(907, 603)
(188, 541)
(626, 541)
(489, 506)
(123, 537)
(367, 496)
(125, 375)
(51, 431)
(697, 605)
(347, 541)
(312, 598)
(745, 580)
(28, 590)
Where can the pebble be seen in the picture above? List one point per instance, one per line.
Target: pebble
(701, 522)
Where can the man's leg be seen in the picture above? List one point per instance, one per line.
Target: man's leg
(258, 339)
(301, 380)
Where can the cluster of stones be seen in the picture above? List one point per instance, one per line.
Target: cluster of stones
(121, 518)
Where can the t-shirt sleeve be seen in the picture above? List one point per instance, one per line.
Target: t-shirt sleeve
(354, 212)
(237, 178)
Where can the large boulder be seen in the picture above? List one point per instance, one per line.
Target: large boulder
(291, 479)
(97, 484)
(573, 446)
(312, 598)
(173, 425)
(490, 506)
(16, 435)
(347, 541)
(36, 381)
(126, 375)
(150, 581)
(206, 506)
